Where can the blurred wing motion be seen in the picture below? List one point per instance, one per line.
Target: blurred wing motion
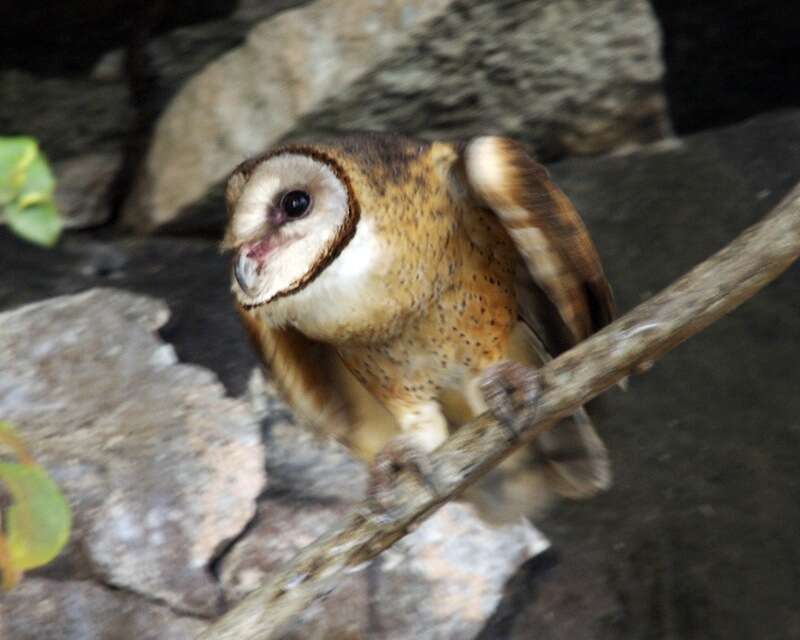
(563, 295)
(319, 388)
(548, 233)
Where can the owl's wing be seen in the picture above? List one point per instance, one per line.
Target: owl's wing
(320, 390)
(546, 230)
(562, 277)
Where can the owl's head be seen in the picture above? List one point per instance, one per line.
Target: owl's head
(290, 213)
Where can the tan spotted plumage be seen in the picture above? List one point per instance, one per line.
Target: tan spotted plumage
(416, 266)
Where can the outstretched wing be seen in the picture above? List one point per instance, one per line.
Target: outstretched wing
(547, 231)
(562, 277)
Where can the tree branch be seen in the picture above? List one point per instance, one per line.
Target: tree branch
(702, 296)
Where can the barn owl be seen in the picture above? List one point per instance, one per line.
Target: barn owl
(381, 277)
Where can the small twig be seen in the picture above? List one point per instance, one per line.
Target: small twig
(705, 294)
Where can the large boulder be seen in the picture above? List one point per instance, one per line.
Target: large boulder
(159, 467)
(82, 193)
(190, 276)
(41, 609)
(568, 78)
(442, 582)
(571, 77)
(69, 116)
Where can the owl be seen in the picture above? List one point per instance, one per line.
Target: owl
(381, 278)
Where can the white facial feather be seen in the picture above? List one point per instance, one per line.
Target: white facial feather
(250, 217)
(343, 298)
(344, 294)
(359, 257)
(298, 244)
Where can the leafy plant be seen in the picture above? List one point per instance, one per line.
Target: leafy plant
(35, 527)
(26, 191)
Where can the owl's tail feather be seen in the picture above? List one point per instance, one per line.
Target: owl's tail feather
(569, 460)
(573, 458)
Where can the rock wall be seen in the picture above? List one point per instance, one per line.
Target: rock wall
(570, 76)
(694, 539)
(123, 364)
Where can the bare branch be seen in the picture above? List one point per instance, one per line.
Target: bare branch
(702, 296)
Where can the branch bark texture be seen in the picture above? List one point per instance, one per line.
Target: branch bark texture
(702, 296)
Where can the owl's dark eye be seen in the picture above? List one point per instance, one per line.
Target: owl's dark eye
(296, 204)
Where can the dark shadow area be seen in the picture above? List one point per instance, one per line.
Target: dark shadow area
(68, 36)
(726, 61)
(519, 590)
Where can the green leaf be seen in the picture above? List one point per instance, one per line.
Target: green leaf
(37, 523)
(26, 191)
(38, 182)
(37, 223)
(16, 155)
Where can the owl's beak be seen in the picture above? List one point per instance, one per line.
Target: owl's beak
(245, 270)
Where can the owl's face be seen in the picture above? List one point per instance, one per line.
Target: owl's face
(289, 215)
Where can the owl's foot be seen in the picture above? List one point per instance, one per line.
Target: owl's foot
(508, 388)
(401, 454)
